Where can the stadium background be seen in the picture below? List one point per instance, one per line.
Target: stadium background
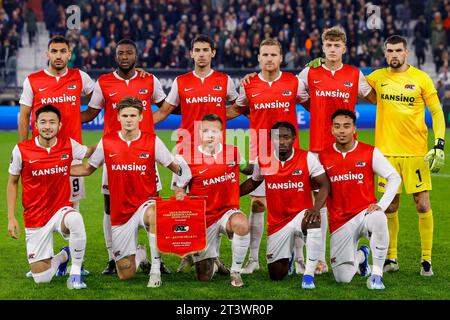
(163, 30)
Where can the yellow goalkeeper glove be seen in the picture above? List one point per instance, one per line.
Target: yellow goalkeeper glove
(436, 156)
(315, 63)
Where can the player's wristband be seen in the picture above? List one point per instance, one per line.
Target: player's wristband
(439, 144)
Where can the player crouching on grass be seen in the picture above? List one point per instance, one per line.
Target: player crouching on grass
(215, 174)
(130, 156)
(43, 163)
(353, 210)
(288, 174)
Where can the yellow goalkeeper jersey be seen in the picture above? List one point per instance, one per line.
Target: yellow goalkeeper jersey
(400, 128)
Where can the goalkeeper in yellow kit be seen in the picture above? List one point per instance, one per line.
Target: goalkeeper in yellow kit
(403, 91)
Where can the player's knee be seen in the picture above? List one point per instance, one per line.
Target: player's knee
(278, 269)
(205, 269)
(393, 207)
(344, 273)
(343, 277)
(126, 268)
(378, 222)
(240, 225)
(310, 225)
(43, 277)
(258, 206)
(74, 222)
(422, 206)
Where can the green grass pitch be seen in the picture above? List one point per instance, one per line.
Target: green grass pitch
(405, 284)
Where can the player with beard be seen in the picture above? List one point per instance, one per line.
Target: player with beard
(403, 91)
(109, 90)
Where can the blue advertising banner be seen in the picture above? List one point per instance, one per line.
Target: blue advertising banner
(9, 116)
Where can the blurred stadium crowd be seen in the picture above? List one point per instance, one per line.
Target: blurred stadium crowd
(163, 30)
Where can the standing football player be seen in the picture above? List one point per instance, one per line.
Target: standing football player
(401, 135)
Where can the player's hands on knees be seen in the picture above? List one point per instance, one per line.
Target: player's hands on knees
(373, 207)
(312, 216)
(315, 63)
(142, 72)
(246, 80)
(436, 156)
(13, 228)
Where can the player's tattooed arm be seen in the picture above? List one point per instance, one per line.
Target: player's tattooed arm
(89, 114)
(24, 121)
(12, 191)
(248, 186)
(163, 112)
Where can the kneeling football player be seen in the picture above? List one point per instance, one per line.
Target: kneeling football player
(44, 162)
(288, 173)
(215, 175)
(353, 210)
(130, 156)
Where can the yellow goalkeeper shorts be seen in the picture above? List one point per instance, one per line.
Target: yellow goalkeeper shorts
(414, 171)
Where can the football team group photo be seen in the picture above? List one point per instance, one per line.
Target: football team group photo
(224, 149)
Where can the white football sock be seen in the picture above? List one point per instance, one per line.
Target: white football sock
(359, 257)
(47, 275)
(313, 247)
(256, 232)
(239, 247)
(379, 241)
(140, 256)
(155, 256)
(77, 240)
(43, 277)
(299, 244)
(108, 235)
(324, 228)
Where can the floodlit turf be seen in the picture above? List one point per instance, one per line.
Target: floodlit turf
(405, 284)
